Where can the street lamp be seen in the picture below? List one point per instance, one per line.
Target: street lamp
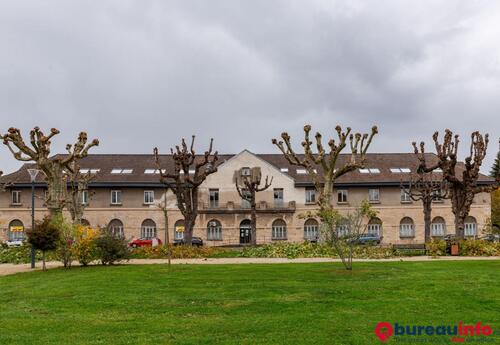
(33, 173)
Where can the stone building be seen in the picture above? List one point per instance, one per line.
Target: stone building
(126, 195)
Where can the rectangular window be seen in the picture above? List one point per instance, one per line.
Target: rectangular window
(245, 202)
(213, 198)
(85, 197)
(342, 196)
(374, 195)
(16, 197)
(437, 196)
(116, 197)
(278, 197)
(245, 171)
(405, 196)
(310, 195)
(149, 197)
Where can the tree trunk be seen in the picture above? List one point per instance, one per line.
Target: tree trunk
(253, 221)
(188, 229)
(427, 220)
(459, 226)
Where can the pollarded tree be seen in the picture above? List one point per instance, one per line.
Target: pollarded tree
(324, 168)
(462, 188)
(189, 173)
(327, 162)
(248, 185)
(78, 185)
(54, 168)
(427, 189)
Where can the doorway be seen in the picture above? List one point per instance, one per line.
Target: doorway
(245, 231)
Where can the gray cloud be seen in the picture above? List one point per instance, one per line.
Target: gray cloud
(139, 74)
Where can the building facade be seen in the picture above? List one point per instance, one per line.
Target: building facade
(127, 197)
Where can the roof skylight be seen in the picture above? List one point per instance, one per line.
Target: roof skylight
(400, 170)
(369, 171)
(121, 171)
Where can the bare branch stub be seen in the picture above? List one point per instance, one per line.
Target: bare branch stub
(462, 187)
(188, 174)
(327, 161)
(54, 168)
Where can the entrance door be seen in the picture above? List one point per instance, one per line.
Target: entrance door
(245, 231)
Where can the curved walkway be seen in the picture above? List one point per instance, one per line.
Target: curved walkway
(6, 269)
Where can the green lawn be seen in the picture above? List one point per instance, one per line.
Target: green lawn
(243, 304)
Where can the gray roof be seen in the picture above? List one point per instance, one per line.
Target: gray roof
(384, 162)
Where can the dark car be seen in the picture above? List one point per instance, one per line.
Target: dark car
(195, 241)
(367, 239)
(491, 238)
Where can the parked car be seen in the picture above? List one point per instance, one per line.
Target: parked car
(195, 241)
(14, 243)
(143, 242)
(367, 239)
(491, 238)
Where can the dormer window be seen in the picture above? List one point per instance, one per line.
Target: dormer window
(284, 170)
(301, 171)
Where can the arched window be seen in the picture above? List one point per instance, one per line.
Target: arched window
(470, 226)
(342, 229)
(438, 227)
(214, 230)
(406, 227)
(374, 227)
(16, 230)
(279, 230)
(148, 229)
(179, 229)
(311, 229)
(116, 228)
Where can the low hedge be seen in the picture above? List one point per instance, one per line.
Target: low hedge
(22, 255)
(182, 252)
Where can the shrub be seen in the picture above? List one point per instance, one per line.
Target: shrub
(44, 237)
(111, 249)
(84, 247)
(64, 251)
(436, 247)
(478, 248)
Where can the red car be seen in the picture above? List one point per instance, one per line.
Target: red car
(143, 242)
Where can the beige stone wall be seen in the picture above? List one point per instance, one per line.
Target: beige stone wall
(133, 211)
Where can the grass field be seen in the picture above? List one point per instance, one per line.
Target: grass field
(244, 304)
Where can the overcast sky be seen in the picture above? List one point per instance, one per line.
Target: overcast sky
(139, 74)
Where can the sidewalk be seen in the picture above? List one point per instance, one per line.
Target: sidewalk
(6, 269)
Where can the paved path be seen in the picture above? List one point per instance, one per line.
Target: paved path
(6, 269)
